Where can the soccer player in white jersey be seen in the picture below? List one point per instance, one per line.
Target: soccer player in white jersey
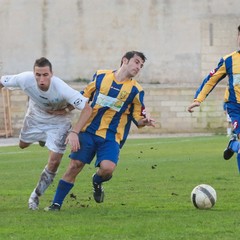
(47, 118)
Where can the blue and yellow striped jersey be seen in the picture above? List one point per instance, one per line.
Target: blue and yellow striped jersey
(228, 66)
(115, 105)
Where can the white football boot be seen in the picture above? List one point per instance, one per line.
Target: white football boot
(33, 201)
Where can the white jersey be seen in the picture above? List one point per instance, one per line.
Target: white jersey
(56, 97)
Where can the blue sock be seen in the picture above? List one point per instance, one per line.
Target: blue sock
(234, 146)
(98, 179)
(62, 191)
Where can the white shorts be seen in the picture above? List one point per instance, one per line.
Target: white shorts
(53, 134)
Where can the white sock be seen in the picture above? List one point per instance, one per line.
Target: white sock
(46, 179)
(33, 194)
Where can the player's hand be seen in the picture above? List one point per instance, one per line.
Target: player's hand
(193, 105)
(147, 122)
(73, 140)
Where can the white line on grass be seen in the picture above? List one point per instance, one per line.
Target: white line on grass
(9, 153)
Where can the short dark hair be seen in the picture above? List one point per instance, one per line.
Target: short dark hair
(43, 62)
(239, 28)
(131, 54)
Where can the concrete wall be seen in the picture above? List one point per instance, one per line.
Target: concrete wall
(182, 39)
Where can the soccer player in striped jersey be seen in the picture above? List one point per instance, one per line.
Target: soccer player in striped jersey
(47, 119)
(117, 100)
(228, 66)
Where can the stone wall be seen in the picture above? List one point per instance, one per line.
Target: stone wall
(183, 40)
(167, 105)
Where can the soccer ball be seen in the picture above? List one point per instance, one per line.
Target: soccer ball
(203, 196)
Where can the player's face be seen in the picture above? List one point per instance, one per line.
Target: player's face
(133, 65)
(43, 77)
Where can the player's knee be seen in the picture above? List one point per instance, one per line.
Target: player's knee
(76, 165)
(107, 167)
(107, 173)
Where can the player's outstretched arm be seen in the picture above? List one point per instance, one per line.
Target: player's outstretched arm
(193, 105)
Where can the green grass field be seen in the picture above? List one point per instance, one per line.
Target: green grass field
(148, 197)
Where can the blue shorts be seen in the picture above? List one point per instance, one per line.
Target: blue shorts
(91, 145)
(233, 110)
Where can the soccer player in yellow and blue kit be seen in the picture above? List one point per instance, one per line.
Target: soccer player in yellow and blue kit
(117, 100)
(228, 66)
